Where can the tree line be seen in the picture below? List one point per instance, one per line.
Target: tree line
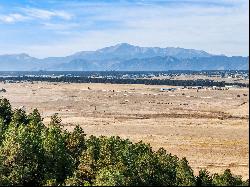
(32, 153)
(199, 82)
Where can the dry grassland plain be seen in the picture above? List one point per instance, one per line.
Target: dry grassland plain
(209, 127)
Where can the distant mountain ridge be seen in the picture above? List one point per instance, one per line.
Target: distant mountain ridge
(126, 57)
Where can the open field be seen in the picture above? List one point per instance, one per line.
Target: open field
(209, 127)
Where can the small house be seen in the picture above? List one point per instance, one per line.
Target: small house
(167, 89)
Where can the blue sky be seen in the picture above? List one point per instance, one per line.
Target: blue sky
(45, 28)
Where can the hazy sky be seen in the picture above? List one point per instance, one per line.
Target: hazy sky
(45, 28)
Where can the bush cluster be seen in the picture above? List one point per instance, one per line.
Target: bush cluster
(34, 154)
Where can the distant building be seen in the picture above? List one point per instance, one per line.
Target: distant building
(167, 89)
(197, 87)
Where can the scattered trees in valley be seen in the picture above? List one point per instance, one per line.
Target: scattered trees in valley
(199, 82)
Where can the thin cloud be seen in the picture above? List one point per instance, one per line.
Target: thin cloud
(47, 14)
(12, 18)
(29, 14)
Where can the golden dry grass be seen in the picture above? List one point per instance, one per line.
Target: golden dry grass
(209, 127)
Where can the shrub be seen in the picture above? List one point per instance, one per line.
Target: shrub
(227, 179)
(204, 179)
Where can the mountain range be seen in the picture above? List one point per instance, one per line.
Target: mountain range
(126, 57)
